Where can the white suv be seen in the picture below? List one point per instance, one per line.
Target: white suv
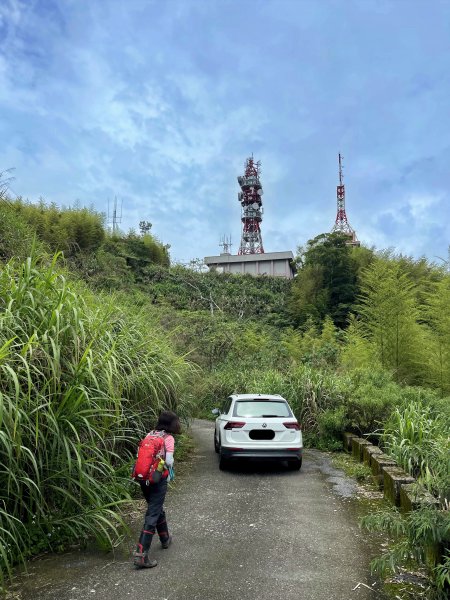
(257, 426)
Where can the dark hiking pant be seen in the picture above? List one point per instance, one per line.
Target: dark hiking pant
(155, 517)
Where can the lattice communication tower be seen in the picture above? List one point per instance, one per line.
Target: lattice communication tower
(250, 198)
(341, 224)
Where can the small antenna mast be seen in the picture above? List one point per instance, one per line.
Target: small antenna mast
(116, 218)
(225, 243)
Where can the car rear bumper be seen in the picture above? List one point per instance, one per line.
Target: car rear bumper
(262, 454)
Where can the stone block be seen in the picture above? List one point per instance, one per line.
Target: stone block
(393, 478)
(357, 447)
(347, 440)
(414, 496)
(377, 463)
(434, 554)
(368, 451)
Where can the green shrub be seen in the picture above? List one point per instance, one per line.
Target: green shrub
(70, 230)
(211, 389)
(16, 238)
(331, 424)
(371, 398)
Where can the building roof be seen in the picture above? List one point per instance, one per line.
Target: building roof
(239, 258)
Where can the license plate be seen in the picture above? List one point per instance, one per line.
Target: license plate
(261, 434)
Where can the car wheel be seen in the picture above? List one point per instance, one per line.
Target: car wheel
(216, 444)
(295, 465)
(223, 463)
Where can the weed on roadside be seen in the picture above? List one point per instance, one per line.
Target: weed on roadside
(358, 471)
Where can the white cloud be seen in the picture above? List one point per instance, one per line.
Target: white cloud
(422, 207)
(160, 104)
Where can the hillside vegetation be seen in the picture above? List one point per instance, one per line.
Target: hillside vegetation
(95, 342)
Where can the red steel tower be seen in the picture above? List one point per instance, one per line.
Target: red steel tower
(252, 211)
(341, 224)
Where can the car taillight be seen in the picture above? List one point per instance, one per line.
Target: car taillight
(292, 426)
(234, 425)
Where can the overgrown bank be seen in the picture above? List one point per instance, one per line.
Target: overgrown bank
(81, 378)
(360, 341)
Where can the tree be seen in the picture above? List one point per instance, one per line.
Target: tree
(326, 282)
(437, 314)
(358, 352)
(144, 227)
(196, 264)
(362, 257)
(388, 307)
(5, 180)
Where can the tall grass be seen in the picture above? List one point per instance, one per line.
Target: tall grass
(80, 380)
(417, 436)
(309, 391)
(416, 540)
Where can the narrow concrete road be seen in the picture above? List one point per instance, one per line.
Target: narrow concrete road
(256, 532)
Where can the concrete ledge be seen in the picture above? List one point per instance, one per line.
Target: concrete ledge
(434, 553)
(347, 440)
(414, 496)
(377, 463)
(393, 478)
(369, 451)
(399, 487)
(357, 447)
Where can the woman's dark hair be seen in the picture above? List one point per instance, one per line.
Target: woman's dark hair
(169, 422)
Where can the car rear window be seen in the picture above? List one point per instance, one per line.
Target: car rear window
(261, 408)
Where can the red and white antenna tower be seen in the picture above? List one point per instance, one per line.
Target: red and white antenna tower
(252, 211)
(341, 224)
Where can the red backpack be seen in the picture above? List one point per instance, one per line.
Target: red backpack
(151, 451)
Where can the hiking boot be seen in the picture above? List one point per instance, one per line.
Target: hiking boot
(166, 543)
(142, 561)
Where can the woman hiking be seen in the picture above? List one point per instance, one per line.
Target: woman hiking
(155, 493)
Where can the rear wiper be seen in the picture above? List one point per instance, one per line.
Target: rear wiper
(268, 416)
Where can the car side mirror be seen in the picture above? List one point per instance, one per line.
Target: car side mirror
(215, 411)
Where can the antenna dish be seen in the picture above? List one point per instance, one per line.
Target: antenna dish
(260, 192)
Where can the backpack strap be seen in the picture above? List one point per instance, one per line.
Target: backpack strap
(157, 433)
(160, 434)
(164, 436)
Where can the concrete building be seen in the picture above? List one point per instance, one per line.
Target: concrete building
(272, 264)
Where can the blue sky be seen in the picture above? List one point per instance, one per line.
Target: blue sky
(160, 102)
